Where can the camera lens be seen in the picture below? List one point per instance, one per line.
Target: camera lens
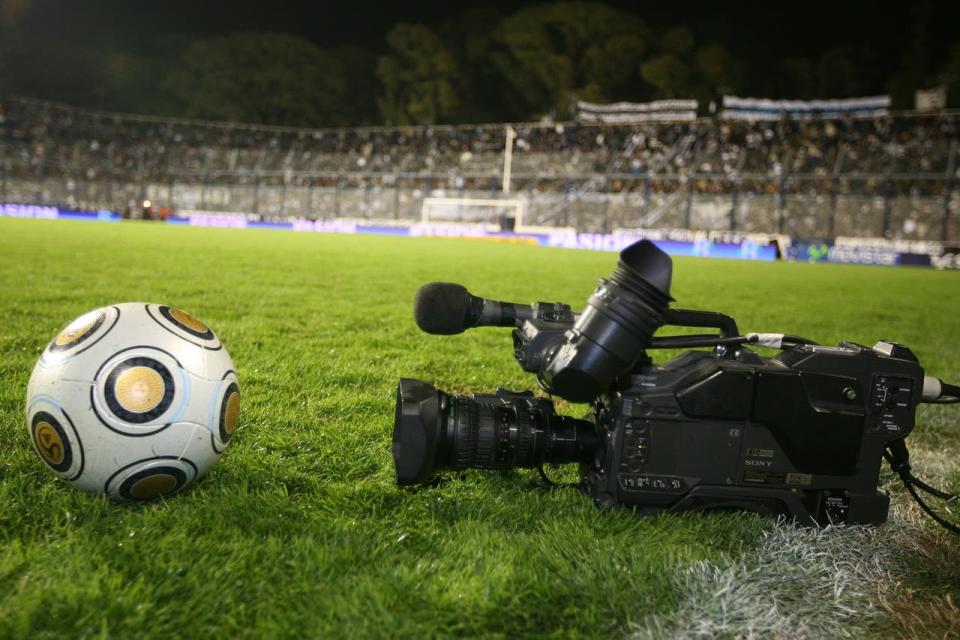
(433, 431)
(614, 329)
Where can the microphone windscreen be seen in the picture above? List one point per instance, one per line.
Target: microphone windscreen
(441, 308)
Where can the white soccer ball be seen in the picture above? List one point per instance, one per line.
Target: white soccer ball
(134, 400)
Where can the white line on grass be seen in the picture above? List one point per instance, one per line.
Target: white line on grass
(798, 582)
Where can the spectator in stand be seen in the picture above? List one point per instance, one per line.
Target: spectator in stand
(98, 159)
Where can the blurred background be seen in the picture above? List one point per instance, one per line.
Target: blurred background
(327, 64)
(774, 133)
(806, 123)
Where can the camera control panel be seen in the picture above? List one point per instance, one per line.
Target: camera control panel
(891, 404)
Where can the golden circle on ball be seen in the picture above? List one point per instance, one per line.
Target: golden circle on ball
(188, 321)
(76, 329)
(232, 414)
(49, 442)
(153, 486)
(139, 389)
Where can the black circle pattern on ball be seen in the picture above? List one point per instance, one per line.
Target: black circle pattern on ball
(167, 313)
(127, 485)
(63, 465)
(118, 410)
(231, 389)
(54, 347)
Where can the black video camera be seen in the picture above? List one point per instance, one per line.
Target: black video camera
(801, 434)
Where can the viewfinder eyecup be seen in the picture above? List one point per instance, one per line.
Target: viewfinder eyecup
(617, 325)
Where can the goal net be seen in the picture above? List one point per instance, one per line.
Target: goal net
(491, 213)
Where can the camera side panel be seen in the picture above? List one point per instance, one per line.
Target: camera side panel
(802, 436)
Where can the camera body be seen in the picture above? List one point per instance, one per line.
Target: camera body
(801, 434)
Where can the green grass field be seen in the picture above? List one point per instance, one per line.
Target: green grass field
(300, 531)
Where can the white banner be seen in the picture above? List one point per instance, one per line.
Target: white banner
(736, 108)
(630, 112)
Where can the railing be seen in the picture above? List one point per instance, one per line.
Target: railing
(93, 160)
(915, 207)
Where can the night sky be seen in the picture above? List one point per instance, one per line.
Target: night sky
(125, 55)
(761, 28)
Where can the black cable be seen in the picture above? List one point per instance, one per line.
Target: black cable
(898, 457)
(943, 495)
(949, 394)
(949, 526)
(555, 485)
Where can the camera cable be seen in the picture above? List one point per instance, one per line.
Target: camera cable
(553, 484)
(948, 394)
(899, 459)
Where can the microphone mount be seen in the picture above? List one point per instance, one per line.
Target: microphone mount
(446, 308)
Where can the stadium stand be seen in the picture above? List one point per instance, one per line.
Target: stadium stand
(890, 177)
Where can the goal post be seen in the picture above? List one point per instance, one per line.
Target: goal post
(502, 213)
(485, 211)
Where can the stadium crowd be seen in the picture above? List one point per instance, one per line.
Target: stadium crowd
(44, 141)
(56, 137)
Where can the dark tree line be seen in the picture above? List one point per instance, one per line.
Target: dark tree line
(480, 66)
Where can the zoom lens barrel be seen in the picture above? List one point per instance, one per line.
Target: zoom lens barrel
(433, 430)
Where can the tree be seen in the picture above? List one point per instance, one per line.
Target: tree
(682, 70)
(418, 75)
(678, 41)
(797, 78)
(10, 13)
(267, 78)
(550, 55)
(610, 67)
(912, 72)
(951, 75)
(721, 71)
(39, 64)
(472, 39)
(670, 75)
(358, 67)
(845, 73)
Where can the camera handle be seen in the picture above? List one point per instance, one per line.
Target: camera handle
(702, 319)
(729, 333)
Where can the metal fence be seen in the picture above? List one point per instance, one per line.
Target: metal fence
(912, 207)
(895, 177)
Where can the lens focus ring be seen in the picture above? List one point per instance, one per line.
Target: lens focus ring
(524, 439)
(487, 441)
(465, 434)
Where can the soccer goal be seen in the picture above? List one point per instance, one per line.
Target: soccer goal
(503, 214)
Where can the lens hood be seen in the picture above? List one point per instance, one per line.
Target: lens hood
(416, 431)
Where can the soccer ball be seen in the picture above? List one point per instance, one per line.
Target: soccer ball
(134, 400)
